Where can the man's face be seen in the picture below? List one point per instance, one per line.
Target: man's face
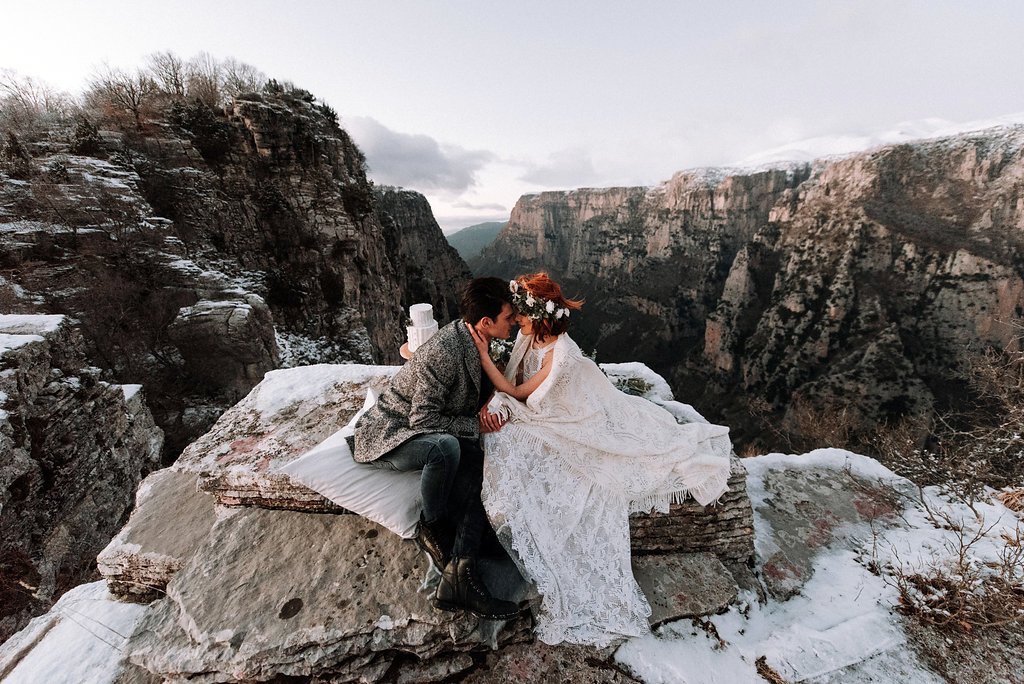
(502, 327)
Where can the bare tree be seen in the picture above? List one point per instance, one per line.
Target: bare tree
(205, 79)
(24, 101)
(240, 77)
(128, 92)
(169, 72)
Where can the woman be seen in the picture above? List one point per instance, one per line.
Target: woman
(574, 460)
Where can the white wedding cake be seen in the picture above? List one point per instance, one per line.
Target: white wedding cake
(423, 325)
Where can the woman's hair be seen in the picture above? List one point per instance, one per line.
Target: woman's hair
(543, 287)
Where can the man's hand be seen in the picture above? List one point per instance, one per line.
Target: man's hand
(489, 422)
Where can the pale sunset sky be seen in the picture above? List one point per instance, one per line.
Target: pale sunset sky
(474, 103)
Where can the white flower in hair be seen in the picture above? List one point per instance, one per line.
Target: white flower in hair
(558, 314)
(550, 306)
(563, 312)
(530, 301)
(513, 285)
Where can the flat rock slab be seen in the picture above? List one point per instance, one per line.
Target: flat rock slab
(683, 585)
(286, 593)
(288, 413)
(170, 521)
(812, 509)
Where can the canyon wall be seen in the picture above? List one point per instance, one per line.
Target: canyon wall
(856, 283)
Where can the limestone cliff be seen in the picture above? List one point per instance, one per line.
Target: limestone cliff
(73, 449)
(432, 270)
(853, 283)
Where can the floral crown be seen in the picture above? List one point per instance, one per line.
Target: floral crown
(534, 307)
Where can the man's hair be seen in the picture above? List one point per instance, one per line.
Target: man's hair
(483, 298)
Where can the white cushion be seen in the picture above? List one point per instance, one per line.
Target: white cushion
(385, 496)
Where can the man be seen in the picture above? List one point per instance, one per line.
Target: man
(430, 418)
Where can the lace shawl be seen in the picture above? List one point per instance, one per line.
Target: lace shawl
(623, 444)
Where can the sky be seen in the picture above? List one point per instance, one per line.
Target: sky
(475, 103)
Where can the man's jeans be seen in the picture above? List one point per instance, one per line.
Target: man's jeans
(437, 455)
(453, 472)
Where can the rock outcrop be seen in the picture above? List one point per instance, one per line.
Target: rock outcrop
(229, 343)
(272, 595)
(431, 269)
(214, 245)
(73, 450)
(852, 283)
(314, 592)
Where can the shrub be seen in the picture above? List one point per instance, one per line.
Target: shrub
(56, 170)
(963, 591)
(15, 158)
(86, 138)
(210, 135)
(634, 386)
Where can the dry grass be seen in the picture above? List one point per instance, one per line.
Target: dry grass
(1013, 499)
(963, 592)
(767, 673)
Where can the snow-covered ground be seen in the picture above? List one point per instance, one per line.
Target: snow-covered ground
(80, 641)
(840, 626)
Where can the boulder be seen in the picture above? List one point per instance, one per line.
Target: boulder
(301, 595)
(228, 343)
(682, 585)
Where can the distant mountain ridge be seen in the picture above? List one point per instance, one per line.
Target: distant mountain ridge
(471, 240)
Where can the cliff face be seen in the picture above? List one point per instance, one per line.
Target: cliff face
(73, 450)
(431, 270)
(281, 189)
(853, 283)
(212, 246)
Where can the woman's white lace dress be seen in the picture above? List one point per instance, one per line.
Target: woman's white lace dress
(562, 477)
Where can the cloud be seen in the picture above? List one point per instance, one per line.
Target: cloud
(571, 167)
(493, 206)
(415, 161)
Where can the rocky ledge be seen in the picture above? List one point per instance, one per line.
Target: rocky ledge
(250, 577)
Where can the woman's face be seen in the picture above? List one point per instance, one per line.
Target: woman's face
(524, 323)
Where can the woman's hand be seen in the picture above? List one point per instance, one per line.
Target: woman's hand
(482, 346)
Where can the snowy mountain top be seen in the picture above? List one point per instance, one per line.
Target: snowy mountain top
(821, 150)
(835, 146)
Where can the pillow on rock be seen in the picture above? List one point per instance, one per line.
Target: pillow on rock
(386, 497)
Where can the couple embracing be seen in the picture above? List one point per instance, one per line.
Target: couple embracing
(547, 454)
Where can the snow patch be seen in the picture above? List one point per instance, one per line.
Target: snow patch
(80, 640)
(659, 391)
(9, 342)
(30, 324)
(279, 388)
(130, 391)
